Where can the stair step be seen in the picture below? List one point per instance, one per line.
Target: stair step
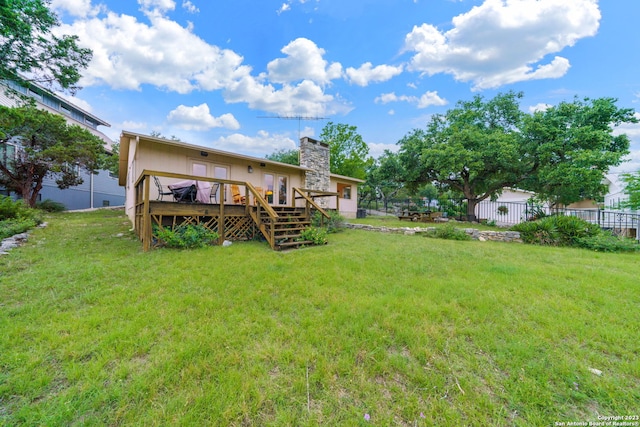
(294, 244)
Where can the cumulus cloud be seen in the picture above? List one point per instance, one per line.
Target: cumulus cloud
(157, 5)
(128, 53)
(77, 8)
(367, 73)
(504, 41)
(189, 7)
(304, 61)
(539, 107)
(427, 99)
(259, 145)
(199, 118)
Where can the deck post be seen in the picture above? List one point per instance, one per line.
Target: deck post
(221, 230)
(147, 232)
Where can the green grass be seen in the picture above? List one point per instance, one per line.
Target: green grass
(95, 332)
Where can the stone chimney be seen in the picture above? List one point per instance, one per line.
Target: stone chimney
(315, 156)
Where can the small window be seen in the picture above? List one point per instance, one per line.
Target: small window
(344, 190)
(105, 203)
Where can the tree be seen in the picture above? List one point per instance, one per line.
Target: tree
(632, 190)
(348, 152)
(480, 147)
(474, 148)
(574, 146)
(46, 146)
(28, 48)
(384, 177)
(290, 157)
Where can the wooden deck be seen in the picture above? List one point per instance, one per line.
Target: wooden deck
(279, 226)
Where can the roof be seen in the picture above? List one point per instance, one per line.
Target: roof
(346, 178)
(127, 135)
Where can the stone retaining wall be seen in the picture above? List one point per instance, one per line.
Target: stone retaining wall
(483, 236)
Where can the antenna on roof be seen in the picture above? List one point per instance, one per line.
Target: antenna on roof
(298, 118)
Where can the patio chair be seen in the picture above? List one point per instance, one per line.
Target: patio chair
(259, 191)
(213, 196)
(237, 196)
(161, 192)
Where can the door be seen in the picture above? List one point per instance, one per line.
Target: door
(276, 189)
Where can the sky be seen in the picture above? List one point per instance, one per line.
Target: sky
(252, 76)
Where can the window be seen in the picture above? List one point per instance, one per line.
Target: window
(282, 190)
(7, 154)
(344, 190)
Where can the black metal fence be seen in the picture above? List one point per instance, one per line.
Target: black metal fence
(511, 213)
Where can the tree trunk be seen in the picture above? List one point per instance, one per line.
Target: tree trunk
(471, 210)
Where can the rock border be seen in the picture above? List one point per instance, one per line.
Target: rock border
(475, 234)
(15, 241)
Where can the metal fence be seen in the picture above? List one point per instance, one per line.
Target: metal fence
(511, 213)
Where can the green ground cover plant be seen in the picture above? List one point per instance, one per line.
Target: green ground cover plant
(393, 221)
(561, 230)
(405, 330)
(16, 217)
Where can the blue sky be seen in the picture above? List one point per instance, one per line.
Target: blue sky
(209, 72)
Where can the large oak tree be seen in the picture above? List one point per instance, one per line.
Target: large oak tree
(482, 146)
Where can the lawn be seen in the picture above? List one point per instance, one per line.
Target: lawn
(372, 329)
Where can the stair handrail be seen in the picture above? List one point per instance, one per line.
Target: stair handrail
(310, 201)
(261, 204)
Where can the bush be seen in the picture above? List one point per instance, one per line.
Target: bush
(449, 232)
(10, 227)
(314, 234)
(50, 206)
(333, 224)
(15, 209)
(185, 236)
(556, 230)
(607, 242)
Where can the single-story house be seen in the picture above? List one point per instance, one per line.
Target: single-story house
(230, 180)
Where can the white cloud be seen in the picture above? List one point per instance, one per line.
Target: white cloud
(284, 8)
(157, 5)
(260, 145)
(427, 99)
(77, 8)
(131, 125)
(539, 107)
(128, 54)
(367, 73)
(377, 149)
(199, 118)
(504, 41)
(632, 161)
(189, 7)
(304, 61)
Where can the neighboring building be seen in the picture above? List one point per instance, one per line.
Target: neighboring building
(275, 180)
(97, 190)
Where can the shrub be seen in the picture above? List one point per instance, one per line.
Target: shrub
(556, 230)
(333, 224)
(10, 227)
(607, 242)
(16, 209)
(449, 232)
(314, 234)
(185, 236)
(537, 232)
(49, 205)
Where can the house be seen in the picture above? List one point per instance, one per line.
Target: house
(233, 190)
(98, 189)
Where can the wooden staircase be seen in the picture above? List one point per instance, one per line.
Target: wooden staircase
(282, 226)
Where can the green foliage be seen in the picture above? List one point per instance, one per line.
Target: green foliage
(448, 232)
(481, 146)
(11, 227)
(607, 242)
(186, 236)
(559, 230)
(348, 151)
(314, 234)
(50, 147)
(574, 145)
(49, 205)
(632, 189)
(333, 224)
(28, 46)
(290, 157)
(16, 209)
